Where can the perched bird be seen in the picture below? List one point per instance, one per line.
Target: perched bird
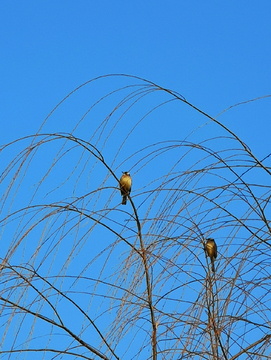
(125, 186)
(211, 250)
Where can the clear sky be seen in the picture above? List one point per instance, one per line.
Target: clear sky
(216, 54)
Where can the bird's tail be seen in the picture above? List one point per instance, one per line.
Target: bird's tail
(213, 265)
(124, 200)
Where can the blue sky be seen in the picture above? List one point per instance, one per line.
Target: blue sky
(215, 54)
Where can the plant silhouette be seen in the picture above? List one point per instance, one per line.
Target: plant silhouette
(84, 277)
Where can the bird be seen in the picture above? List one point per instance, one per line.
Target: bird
(125, 186)
(211, 250)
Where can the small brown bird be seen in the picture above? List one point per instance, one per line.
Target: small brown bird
(211, 250)
(125, 186)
